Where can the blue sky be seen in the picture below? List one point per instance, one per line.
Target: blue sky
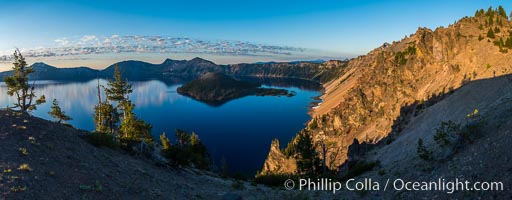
(319, 29)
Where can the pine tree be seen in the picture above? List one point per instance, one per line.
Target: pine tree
(182, 137)
(187, 150)
(307, 159)
(490, 33)
(105, 115)
(166, 143)
(508, 43)
(57, 113)
(18, 85)
(490, 12)
(133, 129)
(496, 30)
(501, 11)
(499, 22)
(199, 152)
(98, 119)
(422, 151)
(118, 89)
(477, 13)
(197, 146)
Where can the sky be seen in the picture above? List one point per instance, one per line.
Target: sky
(68, 33)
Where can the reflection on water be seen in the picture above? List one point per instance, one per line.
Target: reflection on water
(284, 82)
(240, 130)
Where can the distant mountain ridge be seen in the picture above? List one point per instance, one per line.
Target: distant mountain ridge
(133, 69)
(42, 71)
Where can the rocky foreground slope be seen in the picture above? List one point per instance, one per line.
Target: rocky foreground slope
(40, 159)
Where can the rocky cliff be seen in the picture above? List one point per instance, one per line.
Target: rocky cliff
(277, 162)
(377, 94)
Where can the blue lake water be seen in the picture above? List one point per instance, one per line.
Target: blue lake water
(239, 131)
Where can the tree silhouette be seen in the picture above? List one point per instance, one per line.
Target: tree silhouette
(422, 151)
(307, 160)
(326, 147)
(57, 112)
(18, 85)
(187, 150)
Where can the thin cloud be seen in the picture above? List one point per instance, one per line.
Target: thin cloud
(92, 44)
(61, 42)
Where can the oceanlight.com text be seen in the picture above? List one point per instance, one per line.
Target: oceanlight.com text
(446, 185)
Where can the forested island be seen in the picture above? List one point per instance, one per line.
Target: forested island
(216, 89)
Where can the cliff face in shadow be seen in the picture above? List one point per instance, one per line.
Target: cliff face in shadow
(216, 89)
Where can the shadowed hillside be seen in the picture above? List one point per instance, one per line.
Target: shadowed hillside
(478, 150)
(45, 160)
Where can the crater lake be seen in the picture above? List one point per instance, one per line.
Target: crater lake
(239, 131)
